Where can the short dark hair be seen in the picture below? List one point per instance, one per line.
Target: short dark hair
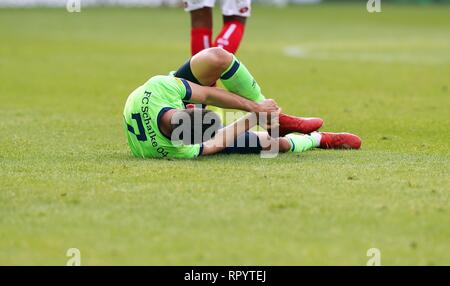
(194, 125)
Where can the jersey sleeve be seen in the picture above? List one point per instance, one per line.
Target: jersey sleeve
(184, 90)
(173, 89)
(180, 86)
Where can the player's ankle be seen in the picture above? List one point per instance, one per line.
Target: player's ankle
(317, 138)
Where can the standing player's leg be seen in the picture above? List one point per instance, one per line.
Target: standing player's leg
(235, 14)
(201, 23)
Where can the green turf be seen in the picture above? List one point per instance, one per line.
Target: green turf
(67, 178)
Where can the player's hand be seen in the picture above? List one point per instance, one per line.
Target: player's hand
(267, 110)
(267, 106)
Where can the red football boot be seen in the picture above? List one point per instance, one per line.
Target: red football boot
(305, 125)
(339, 141)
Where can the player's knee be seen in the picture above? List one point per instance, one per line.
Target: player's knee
(219, 58)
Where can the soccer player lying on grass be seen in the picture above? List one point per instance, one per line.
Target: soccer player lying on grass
(155, 111)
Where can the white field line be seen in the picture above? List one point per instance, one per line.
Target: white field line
(381, 57)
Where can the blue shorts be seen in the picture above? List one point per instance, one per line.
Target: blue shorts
(247, 143)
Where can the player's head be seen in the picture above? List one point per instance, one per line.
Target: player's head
(194, 125)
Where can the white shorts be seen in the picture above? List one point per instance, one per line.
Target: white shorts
(229, 7)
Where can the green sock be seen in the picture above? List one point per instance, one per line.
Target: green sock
(237, 79)
(301, 143)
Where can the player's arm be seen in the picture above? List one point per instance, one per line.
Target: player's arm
(227, 135)
(221, 98)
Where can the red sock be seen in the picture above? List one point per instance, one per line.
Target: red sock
(200, 39)
(230, 37)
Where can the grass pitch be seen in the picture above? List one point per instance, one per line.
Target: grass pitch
(67, 178)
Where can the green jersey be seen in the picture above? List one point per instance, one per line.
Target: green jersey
(142, 114)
